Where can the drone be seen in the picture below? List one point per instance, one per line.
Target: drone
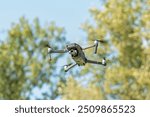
(77, 54)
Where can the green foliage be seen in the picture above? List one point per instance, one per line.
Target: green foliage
(126, 26)
(23, 62)
(73, 91)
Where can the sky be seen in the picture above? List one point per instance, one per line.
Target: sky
(69, 14)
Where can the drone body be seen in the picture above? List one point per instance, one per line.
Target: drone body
(77, 54)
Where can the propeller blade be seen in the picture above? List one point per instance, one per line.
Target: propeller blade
(47, 45)
(101, 41)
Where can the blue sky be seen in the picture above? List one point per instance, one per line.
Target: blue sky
(66, 13)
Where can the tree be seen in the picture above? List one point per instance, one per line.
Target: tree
(72, 90)
(24, 64)
(125, 25)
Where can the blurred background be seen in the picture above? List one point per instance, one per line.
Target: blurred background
(27, 25)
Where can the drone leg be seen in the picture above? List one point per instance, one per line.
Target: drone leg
(97, 62)
(67, 67)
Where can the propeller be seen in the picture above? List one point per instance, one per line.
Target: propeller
(101, 41)
(47, 45)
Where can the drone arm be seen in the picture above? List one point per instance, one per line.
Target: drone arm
(97, 62)
(93, 62)
(88, 47)
(58, 51)
(95, 45)
(50, 51)
(66, 67)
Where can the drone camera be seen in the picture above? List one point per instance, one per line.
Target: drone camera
(73, 52)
